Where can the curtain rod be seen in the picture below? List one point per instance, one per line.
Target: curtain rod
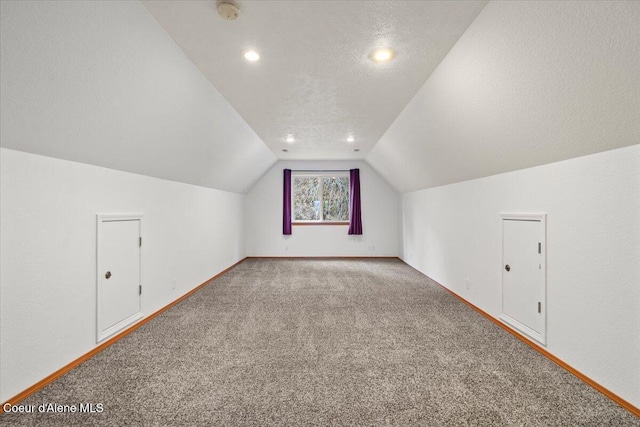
(319, 170)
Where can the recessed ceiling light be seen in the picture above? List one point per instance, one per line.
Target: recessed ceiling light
(350, 139)
(382, 54)
(290, 139)
(251, 55)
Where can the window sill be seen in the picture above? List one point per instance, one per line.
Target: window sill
(321, 223)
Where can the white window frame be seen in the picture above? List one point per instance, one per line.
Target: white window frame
(320, 175)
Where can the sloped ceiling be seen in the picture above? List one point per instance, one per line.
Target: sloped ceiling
(102, 83)
(527, 84)
(315, 80)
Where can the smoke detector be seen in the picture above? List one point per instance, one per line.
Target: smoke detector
(228, 10)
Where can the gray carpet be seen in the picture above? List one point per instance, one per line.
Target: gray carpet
(323, 342)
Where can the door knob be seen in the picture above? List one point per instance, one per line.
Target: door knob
(507, 267)
(108, 274)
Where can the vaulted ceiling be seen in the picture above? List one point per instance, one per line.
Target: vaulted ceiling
(475, 89)
(161, 88)
(315, 80)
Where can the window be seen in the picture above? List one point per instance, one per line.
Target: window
(320, 198)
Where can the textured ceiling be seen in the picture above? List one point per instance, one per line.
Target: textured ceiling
(474, 91)
(529, 83)
(102, 83)
(315, 80)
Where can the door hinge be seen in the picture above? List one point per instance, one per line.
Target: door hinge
(140, 290)
(140, 241)
(539, 307)
(539, 247)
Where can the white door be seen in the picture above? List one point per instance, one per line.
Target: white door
(523, 274)
(119, 273)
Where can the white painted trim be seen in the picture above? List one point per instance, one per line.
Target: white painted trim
(525, 216)
(309, 221)
(119, 326)
(321, 175)
(313, 174)
(530, 333)
(101, 218)
(120, 217)
(540, 337)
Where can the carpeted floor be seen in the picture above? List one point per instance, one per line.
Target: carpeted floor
(323, 342)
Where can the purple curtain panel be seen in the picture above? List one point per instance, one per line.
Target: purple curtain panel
(286, 203)
(355, 214)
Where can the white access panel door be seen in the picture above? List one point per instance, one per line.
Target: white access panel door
(119, 289)
(523, 275)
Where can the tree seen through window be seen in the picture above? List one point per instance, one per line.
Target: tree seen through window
(321, 198)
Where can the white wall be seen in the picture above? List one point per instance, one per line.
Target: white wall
(102, 83)
(529, 83)
(452, 233)
(379, 218)
(48, 253)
